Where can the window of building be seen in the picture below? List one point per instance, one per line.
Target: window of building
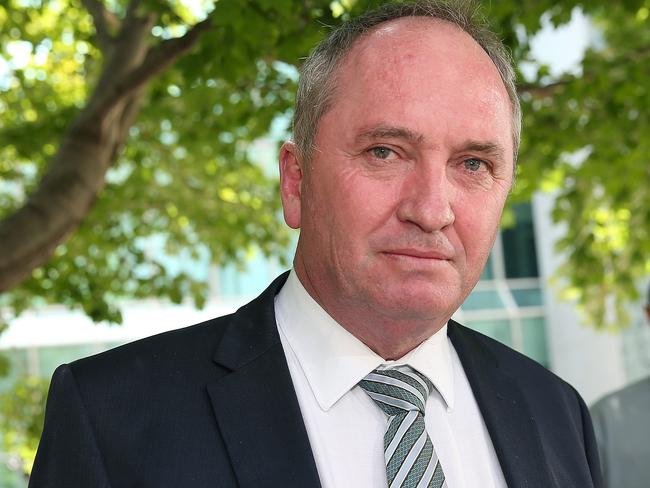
(507, 301)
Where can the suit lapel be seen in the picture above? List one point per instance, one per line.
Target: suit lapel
(255, 404)
(512, 428)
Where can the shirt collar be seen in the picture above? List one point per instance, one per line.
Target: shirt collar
(334, 361)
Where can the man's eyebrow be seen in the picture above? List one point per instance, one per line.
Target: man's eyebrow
(490, 148)
(389, 132)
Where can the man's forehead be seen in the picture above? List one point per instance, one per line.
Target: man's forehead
(419, 50)
(394, 36)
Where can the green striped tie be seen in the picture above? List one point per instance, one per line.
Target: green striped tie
(411, 461)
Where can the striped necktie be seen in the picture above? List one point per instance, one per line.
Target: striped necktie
(401, 393)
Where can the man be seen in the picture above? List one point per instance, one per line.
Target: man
(622, 424)
(348, 371)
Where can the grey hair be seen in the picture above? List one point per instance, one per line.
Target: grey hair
(317, 84)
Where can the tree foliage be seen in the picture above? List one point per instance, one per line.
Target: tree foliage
(21, 421)
(587, 139)
(177, 178)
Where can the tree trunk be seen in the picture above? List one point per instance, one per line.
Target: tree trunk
(76, 174)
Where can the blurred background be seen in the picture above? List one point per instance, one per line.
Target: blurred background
(139, 190)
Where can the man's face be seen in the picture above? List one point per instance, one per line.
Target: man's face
(400, 203)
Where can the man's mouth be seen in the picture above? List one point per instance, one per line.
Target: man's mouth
(430, 254)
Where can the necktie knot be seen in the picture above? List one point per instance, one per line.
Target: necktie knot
(397, 390)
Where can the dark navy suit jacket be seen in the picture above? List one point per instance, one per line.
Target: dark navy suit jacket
(213, 405)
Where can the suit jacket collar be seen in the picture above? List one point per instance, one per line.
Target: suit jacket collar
(255, 404)
(252, 330)
(508, 418)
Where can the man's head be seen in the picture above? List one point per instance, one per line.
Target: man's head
(400, 189)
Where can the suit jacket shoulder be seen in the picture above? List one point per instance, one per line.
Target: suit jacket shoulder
(539, 424)
(208, 404)
(622, 425)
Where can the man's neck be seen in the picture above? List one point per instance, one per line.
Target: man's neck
(389, 337)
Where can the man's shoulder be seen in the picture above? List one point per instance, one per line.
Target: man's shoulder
(633, 396)
(496, 372)
(189, 351)
(154, 355)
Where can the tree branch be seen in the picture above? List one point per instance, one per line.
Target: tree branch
(168, 51)
(541, 90)
(127, 119)
(157, 60)
(106, 22)
(132, 8)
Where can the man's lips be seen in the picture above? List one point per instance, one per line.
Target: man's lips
(433, 254)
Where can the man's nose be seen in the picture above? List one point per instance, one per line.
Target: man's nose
(425, 198)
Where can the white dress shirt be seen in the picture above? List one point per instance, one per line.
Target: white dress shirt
(346, 428)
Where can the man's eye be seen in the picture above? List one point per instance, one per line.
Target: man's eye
(473, 164)
(381, 152)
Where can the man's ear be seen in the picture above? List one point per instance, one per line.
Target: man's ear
(291, 174)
